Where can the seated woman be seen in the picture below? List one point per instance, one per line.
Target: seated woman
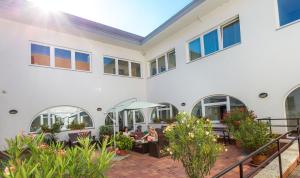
(151, 136)
(125, 132)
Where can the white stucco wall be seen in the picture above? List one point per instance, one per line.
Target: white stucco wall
(267, 60)
(31, 89)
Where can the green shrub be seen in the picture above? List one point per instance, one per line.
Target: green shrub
(48, 161)
(76, 126)
(124, 142)
(106, 130)
(233, 118)
(192, 141)
(54, 129)
(252, 134)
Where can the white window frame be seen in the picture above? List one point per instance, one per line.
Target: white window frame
(52, 57)
(278, 26)
(166, 62)
(222, 31)
(117, 66)
(171, 51)
(219, 29)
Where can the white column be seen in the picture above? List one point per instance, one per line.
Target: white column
(203, 108)
(134, 121)
(125, 121)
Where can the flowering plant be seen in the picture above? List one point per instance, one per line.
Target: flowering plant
(192, 141)
(29, 156)
(233, 118)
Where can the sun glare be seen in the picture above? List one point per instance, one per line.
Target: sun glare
(46, 5)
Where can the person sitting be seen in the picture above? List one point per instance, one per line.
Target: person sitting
(125, 132)
(151, 136)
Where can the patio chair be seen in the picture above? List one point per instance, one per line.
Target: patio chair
(156, 148)
(222, 132)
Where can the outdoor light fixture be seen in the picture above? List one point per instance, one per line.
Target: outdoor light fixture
(263, 95)
(99, 109)
(183, 104)
(12, 111)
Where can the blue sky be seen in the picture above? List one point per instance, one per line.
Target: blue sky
(135, 16)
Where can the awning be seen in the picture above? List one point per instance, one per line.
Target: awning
(133, 104)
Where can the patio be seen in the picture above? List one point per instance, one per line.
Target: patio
(142, 165)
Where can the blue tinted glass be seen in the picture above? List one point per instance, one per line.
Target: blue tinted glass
(39, 49)
(82, 57)
(211, 43)
(231, 34)
(289, 11)
(195, 49)
(61, 53)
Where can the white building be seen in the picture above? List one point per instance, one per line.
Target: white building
(240, 49)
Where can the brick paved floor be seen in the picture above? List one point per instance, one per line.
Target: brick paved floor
(144, 166)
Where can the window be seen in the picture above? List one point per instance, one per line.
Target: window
(64, 115)
(109, 65)
(289, 11)
(135, 69)
(153, 68)
(40, 55)
(195, 49)
(228, 33)
(82, 61)
(165, 113)
(171, 60)
(211, 43)
(161, 64)
(62, 58)
(231, 33)
(214, 107)
(123, 67)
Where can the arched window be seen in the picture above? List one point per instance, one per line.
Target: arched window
(292, 107)
(214, 107)
(65, 115)
(168, 111)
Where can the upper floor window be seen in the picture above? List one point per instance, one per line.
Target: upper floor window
(195, 49)
(289, 11)
(163, 63)
(121, 67)
(136, 69)
(82, 61)
(62, 58)
(59, 58)
(211, 42)
(171, 59)
(226, 34)
(231, 33)
(109, 65)
(40, 55)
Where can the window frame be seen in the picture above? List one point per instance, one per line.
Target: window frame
(49, 118)
(117, 66)
(52, 57)
(166, 57)
(226, 25)
(71, 53)
(219, 29)
(279, 26)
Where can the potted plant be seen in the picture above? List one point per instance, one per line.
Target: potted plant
(192, 141)
(105, 131)
(124, 144)
(253, 135)
(233, 118)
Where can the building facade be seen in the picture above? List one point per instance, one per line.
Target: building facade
(212, 56)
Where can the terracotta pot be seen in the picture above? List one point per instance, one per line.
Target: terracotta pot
(121, 152)
(258, 159)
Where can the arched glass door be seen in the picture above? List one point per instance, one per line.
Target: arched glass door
(214, 107)
(292, 107)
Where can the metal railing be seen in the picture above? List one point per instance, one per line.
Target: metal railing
(240, 164)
